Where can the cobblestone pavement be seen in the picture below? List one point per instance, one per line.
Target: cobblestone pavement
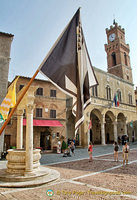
(80, 153)
(69, 188)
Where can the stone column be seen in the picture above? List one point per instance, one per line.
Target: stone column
(88, 131)
(1, 142)
(84, 134)
(115, 130)
(103, 130)
(19, 129)
(80, 136)
(29, 138)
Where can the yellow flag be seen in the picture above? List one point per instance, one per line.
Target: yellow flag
(9, 101)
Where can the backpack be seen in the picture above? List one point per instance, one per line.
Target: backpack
(126, 150)
(116, 148)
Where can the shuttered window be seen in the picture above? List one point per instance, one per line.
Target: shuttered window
(38, 112)
(52, 93)
(52, 113)
(39, 91)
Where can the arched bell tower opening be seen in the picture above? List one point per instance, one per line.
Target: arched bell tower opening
(113, 59)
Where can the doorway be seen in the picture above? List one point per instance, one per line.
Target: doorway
(7, 141)
(107, 138)
(45, 142)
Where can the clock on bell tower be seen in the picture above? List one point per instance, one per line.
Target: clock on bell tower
(117, 50)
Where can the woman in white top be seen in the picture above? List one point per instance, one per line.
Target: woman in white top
(125, 153)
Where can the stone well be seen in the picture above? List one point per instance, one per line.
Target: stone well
(23, 166)
(16, 161)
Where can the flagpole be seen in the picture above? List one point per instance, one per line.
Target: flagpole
(18, 101)
(27, 87)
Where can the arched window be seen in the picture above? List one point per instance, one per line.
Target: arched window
(130, 98)
(108, 92)
(125, 58)
(113, 59)
(119, 95)
(39, 91)
(94, 91)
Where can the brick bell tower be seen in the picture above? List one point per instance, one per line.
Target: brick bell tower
(117, 50)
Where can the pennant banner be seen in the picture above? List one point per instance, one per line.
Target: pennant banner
(1, 120)
(9, 101)
(68, 66)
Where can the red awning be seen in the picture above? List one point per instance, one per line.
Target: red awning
(37, 122)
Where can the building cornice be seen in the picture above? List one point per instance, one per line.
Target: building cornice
(113, 76)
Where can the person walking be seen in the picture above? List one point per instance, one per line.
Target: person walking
(59, 147)
(90, 150)
(74, 140)
(116, 148)
(125, 153)
(72, 147)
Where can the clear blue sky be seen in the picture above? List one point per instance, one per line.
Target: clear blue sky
(36, 24)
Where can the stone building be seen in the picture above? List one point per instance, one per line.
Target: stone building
(112, 111)
(109, 120)
(136, 97)
(49, 117)
(5, 47)
(133, 125)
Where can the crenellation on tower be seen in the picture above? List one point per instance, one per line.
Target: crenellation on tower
(117, 50)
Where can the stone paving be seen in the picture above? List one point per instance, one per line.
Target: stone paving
(70, 185)
(80, 153)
